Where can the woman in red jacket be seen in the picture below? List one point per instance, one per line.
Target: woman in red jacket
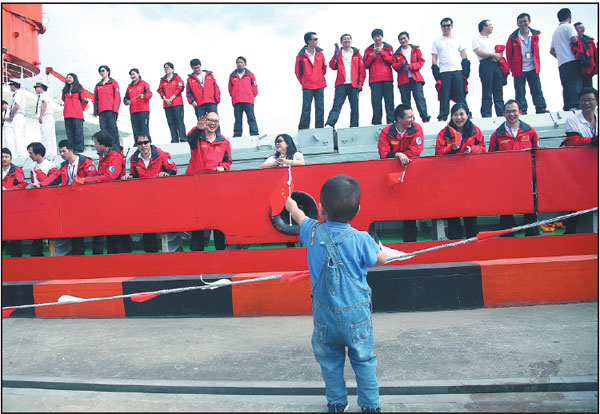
(460, 137)
(107, 99)
(73, 96)
(137, 96)
(170, 90)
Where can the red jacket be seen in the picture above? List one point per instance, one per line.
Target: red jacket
(85, 168)
(45, 180)
(390, 141)
(75, 104)
(592, 52)
(513, 52)
(242, 89)
(168, 88)
(502, 140)
(380, 67)
(107, 97)
(110, 167)
(159, 161)
(357, 72)
(416, 63)
(134, 90)
(311, 76)
(207, 156)
(472, 137)
(15, 179)
(209, 93)
(504, 67)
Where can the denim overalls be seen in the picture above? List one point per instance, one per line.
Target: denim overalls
(342, 317)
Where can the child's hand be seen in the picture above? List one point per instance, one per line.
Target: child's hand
(290, 204)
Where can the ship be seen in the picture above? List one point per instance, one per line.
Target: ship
(495, 272)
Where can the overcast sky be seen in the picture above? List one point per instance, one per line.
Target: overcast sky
(124, 36)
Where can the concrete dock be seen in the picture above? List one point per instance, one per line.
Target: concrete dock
(531, 358)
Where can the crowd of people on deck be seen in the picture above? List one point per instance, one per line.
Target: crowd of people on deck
(403, 138)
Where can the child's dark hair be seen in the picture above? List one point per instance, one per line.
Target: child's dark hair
(340, 197)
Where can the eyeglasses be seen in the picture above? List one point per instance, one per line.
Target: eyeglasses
(511, 111)
(446, 25)
(142, 142)
(587, 100)
(278, 141)
(212, 121)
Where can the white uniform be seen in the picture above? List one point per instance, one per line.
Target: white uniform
(8, 138)
(18, 125)
(47, 128)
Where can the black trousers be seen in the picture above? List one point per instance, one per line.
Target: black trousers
(535, 87)
(120, 243)
(453, 84)
(197, 243)
(417, 92)
(108, 123)
(238, 111)
(586, 81)
(410, 230)
(455, 230)
(37, 247)
(15, 248)
(77, 246)
(307, 97)
(74, 130)
(341, 92)
(176, 126)
(492, 80)
(150, 242)
(570, 79)
(139, 124)
(508, 221)
(203, 109)
(385, 90)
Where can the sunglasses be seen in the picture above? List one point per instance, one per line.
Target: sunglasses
(142, 142)
(446, 25)
(315, 39)
(279, 141)
(102, 70)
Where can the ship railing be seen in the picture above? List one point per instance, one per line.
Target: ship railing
(237, 202)
(15, 71)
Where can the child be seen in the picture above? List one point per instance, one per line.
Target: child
(338, 256)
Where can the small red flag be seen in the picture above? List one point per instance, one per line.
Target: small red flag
(7, 312)
(280, 195)
(294, 277)
(394, 178)
(482, 235)
(143, 297)
(78, 183)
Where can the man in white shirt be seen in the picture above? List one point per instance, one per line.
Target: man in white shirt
(349, 81)
(490, 73)
(44, 112)
(568, 68)
(17, 117)
(8, 138)
(449, 63)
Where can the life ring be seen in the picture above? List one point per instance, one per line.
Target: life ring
(281, 221)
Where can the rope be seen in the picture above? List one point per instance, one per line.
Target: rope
(213, 285)
(226, 282)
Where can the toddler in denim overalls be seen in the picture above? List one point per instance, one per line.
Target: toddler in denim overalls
(338, 256)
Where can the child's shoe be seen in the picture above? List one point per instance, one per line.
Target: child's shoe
(337, 408)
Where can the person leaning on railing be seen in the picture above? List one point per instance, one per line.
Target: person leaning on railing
(285, 155)
(461, 136)
(150, 161)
